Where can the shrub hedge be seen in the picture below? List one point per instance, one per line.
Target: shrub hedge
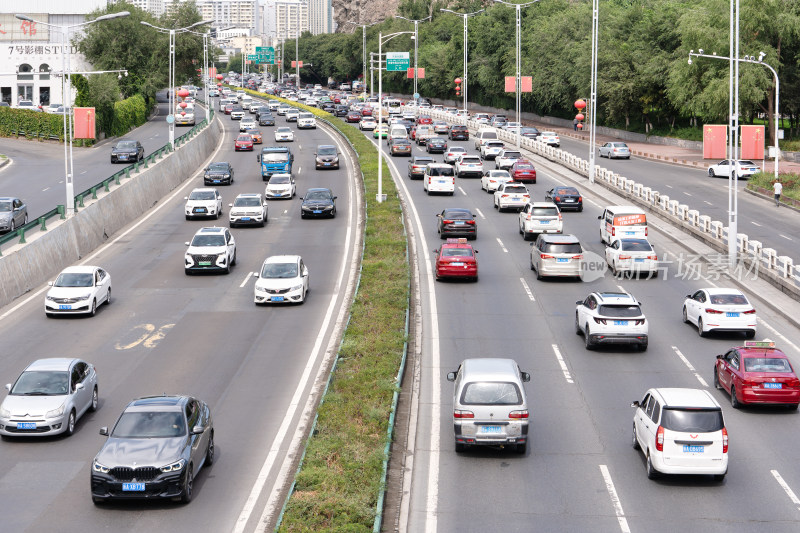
(30, 124)
(128, 114)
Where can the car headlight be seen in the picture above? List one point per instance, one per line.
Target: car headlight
(327, 208)
(55, 412)
(296, 287)
(83, 297)
(51, 298)
(174, 467)
(97, 467)
(5, 413)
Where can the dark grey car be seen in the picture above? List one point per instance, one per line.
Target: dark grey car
(127, 151)
(155, 450)
(13, 214)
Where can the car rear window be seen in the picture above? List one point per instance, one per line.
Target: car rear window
(620, 311)
(516, 190)
(515, 155)
(728, 299)
(692, 420)
(766, 364)
(441, 171)
(567, 190)
(545, 211)
(457, 252)
(561, 248)
(491, 393)
(459, 214)
(630, 245)
(488, 135)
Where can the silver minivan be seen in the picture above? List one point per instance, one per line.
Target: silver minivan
(490, 407)
(557, 255)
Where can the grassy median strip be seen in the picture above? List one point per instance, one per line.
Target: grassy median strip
(338, 485)
(764, 180)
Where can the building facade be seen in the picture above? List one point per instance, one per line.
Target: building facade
(156, 7)
(321, 16)
(291, 19)
(225, 13)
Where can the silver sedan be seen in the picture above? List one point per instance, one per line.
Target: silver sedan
(615, 150)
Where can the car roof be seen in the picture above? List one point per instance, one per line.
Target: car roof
(675, 397)
(487, 368)
(203, 189)
(79, 269)
(249, 194)
(325, 146)
(282, 259)
(615, 298)
(58, 364)
(542, 204)
(722, 290)
(210, 230)
(560, 239)
(315, 189)
(625, 209)
(157, 403)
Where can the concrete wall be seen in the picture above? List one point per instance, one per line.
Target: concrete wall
(29, 266)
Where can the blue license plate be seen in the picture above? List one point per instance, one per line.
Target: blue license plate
(245, 219)
(544, 221)
(26, 425)
(630, 233)
(688, 448)
(562, 260)
(620, 322)
(317, 211)
(277, 298)
(772, 385)
(460, 222)
(639, 260)
(732, 315)
(200, 210)
(65, 307)
(217, 181)
(490, 429)
(133, 487)
(327, 164)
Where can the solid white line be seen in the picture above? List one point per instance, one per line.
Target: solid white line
(785, 486)
(563, 365)
(784, 236)
(480, 213)
(670, 186)
(501, 245)
(84, 172)
(776, 332)
(689, 365)
(707, 202)
(620, 287)
(755, 223)
(686, 193)
(246, 279)
(612, 492)
(45, 189)
(527, 289)
(462, 191)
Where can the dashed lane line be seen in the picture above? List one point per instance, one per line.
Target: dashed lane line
(562, 364)
(689, 366)
(246, 279)
(462, 191)
(612, 492)
(480, 213)
(502, 245)
(785, 486)
(527, 289)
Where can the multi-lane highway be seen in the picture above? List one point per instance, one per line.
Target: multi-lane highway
(166, 332)
(36, 172)
(580, 472)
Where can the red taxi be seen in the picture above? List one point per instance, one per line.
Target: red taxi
(757, 373)
(243, 142)
(456, 259)
(256, 135)
(523, 170)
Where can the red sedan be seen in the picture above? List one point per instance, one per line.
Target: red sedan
(424, 119)
(228, 109)
(757, 373)
(456, 259)
(523, 170)
(366, 111)
(243, 142)
(353, 116)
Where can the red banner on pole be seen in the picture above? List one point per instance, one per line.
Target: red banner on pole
(511, 84)
(420, 73)
(715, 140)
(410, 73)
(753, 140)
(84, 123)
(526, 84)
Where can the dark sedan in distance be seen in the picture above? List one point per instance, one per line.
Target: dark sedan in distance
(436, 144)
(218, 173)
(400, 147)
(157, 447)
(266, 119)
(318, 202)
(565, 198)
(127, 151)
(457, 222)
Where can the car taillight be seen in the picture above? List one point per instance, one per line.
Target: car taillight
(463, 414)
(557, 198)
(654, 257)
(545, 256)
(613, 231)
(559, 217)
(645, 232)
(660, 439)
(639, 321)
(711, 311)
(504, 196)
(447, 221)
(724, 440)
(579, 256)
(580, 199)
(600, 320)
(526, 195)
(750, 312)
(518, 414)
(624, 257)
(471, 222)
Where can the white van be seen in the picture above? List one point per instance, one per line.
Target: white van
(439, 177)
(483, 135)
(398, 131)
(622, 221)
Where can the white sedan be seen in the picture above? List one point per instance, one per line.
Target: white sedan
(550, 138)
(78, 290)
(280, 186)
(492, 179)
(284, 134)
(744, 169)
(635, 255)
(720, 309)
(282, 279)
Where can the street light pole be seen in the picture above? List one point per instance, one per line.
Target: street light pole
(66, 64)
(593, 89)
(465, 16)
(416, 41)
(364, 49)
(297, 51)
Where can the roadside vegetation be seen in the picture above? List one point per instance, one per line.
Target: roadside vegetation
(791, 184)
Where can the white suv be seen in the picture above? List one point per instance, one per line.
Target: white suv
(469, 165)
(681, 431)
(203, 202)
(210, 249)
(611, 318)
(306, 120)
(248, 208)
(540, 217)
(506, 159)
(511, 195)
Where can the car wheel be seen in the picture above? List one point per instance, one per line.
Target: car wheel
(25, 220)
(652, 473)
(233, 261)
(108, 297)
(210, 450)
(577, 327)
(685, 316)
(461, 447)
(700, 327)
(70, 424)
(719, 477)
(94, 308)
(735, 403)
(538, 275)
(587, 338)
(750, 333)
(642, 347)
(635, 439)
(98, 501)
(188, 217)
(716, 379)
(13, 226)
(188, 485)
(521, 448)
(601, 237)
(711, 173)
(580, 209)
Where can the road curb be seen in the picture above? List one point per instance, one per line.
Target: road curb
(4, 162)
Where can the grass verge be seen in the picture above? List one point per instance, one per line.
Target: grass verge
(339, 482)
(791, 183)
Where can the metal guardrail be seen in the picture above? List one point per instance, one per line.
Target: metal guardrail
(104, 186)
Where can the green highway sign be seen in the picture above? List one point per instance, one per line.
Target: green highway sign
(397, 61)
(252, 57)
(266, 54)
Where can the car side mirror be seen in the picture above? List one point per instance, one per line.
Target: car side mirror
(198, 430)
(258, 158)
(689, 296)
(78, 386)
(230, 205)
(185, 197)
(104, 430)
(49, 283)
(8, 386)
(335, 197)
(186, 243)
(526, 377)
(720, 357)
(599, 217)
(451, 376)
(635, 404)
(579, 302)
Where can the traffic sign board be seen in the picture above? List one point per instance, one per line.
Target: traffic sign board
(266, 54)
(397, 61)
(252, 57)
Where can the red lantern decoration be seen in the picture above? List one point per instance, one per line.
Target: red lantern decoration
(580, 104)
(219, 85)
(458, 81)
(183, 93)
(580, 116)
(220, 76)
(580, 125)
(183, 105)
(183, 113)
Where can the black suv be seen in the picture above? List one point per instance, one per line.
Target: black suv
(458, 133)
(416, 166)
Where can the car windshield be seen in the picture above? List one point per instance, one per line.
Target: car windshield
(283, 130)
(728, 299)
(318, 195)
(529, 130)
(635, 245)
(275, 156)
(620, 311)
(243, 138)
(457, 252)
(218, 167)
(280, 180)
(248, 201)
(491, 393)
(253, 132)
(208, 240)
(279, 270)
(327, 150)
(202, 195)
(125, 145)
(74, 279)
(562, 248)
(148, 425)
(692, 420)
(41, 383)
(544, 211)
(5, 206)
(766, 364)
(305, 115)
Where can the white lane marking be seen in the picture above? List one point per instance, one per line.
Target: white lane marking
(246, 279)
(285, 211)
(84, 172)
(707, 202)
(620, 287)
(776, 332)
(46, 189)
(527, 289)
(563, 365)
(462, 191)
(299, 169)
(612, 492)
(501, 245)
(306, 416)
(785, 486)
(686, 193)
(755, 223)
(156, 209)
(592, 202)
(670, 186)
(689, 365)
(480, 213)
(784, 236)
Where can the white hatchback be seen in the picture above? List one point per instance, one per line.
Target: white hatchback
(720, 309)
(681, 431)
(634, 255)
(282, 279)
